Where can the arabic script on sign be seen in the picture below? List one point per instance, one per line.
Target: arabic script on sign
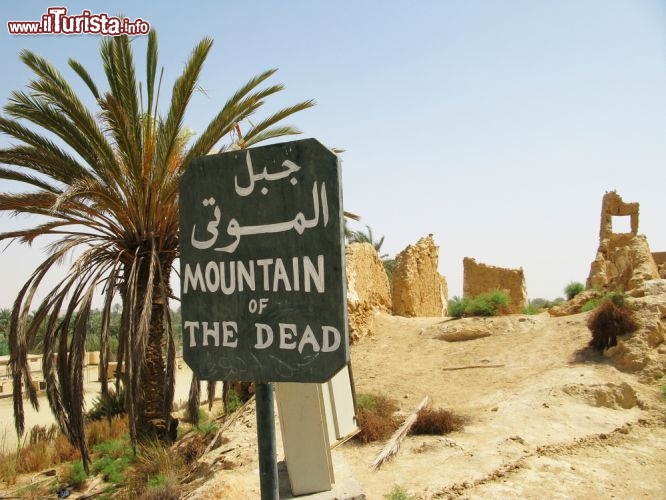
(298, 223)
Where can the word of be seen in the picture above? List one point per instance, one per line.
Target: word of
(209, 333)
(270, 274)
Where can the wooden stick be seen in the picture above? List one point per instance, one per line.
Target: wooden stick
(447, 369)
(227, 424)
(393, 445)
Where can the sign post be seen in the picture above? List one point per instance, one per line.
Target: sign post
(262, 267)
(268, 473)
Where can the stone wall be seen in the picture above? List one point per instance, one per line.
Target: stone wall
(623, 260)
(417, 287)
(367, 288)
(482, 278)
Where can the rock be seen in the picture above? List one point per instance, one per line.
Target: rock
(367, 288)
(417, 288)
(639, 351)
(462, 330)
(574, 305)
(650, 287)
(463, 335)
(481, 278)
(607, 395)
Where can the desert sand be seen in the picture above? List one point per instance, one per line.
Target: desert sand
(546, 417)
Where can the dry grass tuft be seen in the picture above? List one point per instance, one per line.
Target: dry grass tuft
(100, 431)
(35, 457)
(610, 320)
(376, 419)
(162, 488)
(155, 471)
(8, 468)
(437, 422)
(42, 434)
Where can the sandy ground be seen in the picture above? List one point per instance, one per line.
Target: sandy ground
(538, 425)
(546, 418)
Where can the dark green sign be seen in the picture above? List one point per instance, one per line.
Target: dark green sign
(262, 265)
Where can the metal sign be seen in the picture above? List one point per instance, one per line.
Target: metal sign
(263, 291)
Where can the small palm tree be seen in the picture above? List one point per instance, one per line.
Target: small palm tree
(367, 237)
(107, 190)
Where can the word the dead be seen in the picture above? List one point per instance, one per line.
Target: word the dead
(284, 336)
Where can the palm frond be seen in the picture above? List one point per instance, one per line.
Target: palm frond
(85, 76)
(151, 70)
(182, 92)
(254, 135)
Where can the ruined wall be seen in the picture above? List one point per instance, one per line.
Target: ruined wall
(482, 278)
(417, 287)
(660, 261)
(367, 288)
(623, 260)
(612, 205)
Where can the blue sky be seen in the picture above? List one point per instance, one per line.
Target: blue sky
(495, 126)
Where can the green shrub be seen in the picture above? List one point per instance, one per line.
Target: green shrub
(484, 304)
(202, 416)
(366, 401)
(573, 289)
(611, 319)
(389, 267)
(4, 346)
(531, 310)
(398, 493)
(590, 305)
(115, 457)
(616, 297)
(206, 427)
(234, 401)
(104, 408)
(76, 475)
(457, 307)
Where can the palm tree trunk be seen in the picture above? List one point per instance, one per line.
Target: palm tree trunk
(152, 421)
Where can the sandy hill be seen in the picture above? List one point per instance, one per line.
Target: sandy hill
(548, 418)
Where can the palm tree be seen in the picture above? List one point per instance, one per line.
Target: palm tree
(367, 237)
(107, 191)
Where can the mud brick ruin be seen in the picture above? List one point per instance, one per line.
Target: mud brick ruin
(623, 260)
(482, 278)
